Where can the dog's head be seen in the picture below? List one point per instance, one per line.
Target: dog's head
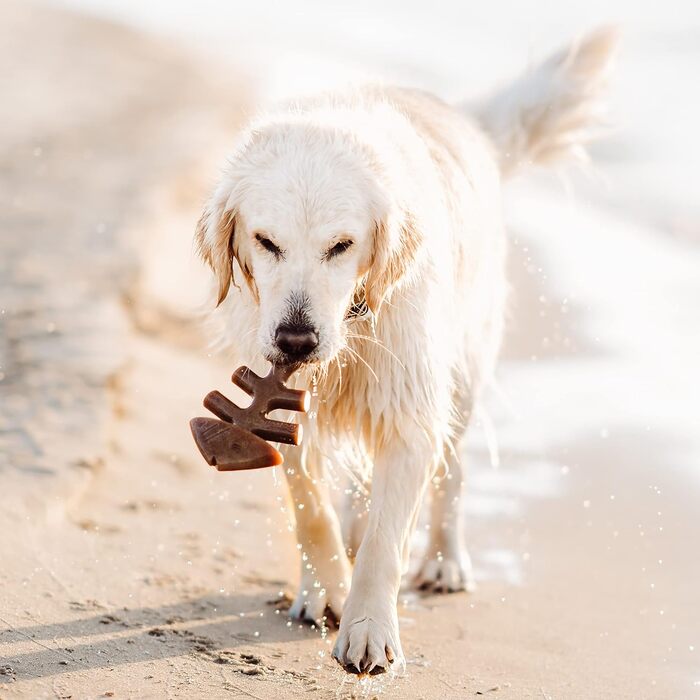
(309, 218)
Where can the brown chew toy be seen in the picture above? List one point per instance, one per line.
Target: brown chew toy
(237, 441)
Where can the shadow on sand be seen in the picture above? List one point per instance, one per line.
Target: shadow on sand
(211, 627)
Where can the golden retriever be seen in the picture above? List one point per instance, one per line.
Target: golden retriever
(361, 234)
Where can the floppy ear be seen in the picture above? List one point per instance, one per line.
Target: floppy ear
(216, 242)
(395, 245)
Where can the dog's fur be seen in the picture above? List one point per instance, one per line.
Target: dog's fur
(415, 185)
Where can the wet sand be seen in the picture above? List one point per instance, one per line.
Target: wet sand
(129, 569)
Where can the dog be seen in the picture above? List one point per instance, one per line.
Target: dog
(360, 234)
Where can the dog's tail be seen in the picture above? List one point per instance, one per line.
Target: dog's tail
(553, 110)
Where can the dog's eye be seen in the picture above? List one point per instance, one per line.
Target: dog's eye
(269, 246)
(338, 249)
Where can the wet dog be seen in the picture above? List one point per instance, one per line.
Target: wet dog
(360, 233)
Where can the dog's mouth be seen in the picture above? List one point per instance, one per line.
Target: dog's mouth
(298, 357)
(286, 360)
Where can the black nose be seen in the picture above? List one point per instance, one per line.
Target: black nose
(296, 342)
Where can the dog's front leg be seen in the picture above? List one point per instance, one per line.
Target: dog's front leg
(325, 570)
(368, 640)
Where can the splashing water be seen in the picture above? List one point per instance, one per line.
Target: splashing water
(364, 687)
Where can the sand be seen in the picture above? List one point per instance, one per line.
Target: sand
(128, 568)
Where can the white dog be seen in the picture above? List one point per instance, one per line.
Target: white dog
(361, 234)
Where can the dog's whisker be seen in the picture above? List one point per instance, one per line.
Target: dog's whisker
(378, 343)
(248, 333)
(364, 362)
(340, 375)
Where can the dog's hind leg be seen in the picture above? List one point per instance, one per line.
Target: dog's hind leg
(325, 569)
(446, 567)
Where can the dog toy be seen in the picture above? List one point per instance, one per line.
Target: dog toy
(237, 440)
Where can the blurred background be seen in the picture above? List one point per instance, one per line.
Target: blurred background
(128, 569)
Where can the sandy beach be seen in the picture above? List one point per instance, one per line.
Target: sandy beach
(130, 569)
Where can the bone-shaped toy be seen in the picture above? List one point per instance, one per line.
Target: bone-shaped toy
(237, 441)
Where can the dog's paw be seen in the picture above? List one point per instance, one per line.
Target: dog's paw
(315, 605)
(445, 575)
(368, 644)
(322, 592)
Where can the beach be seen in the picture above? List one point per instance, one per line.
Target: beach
(129, 568)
